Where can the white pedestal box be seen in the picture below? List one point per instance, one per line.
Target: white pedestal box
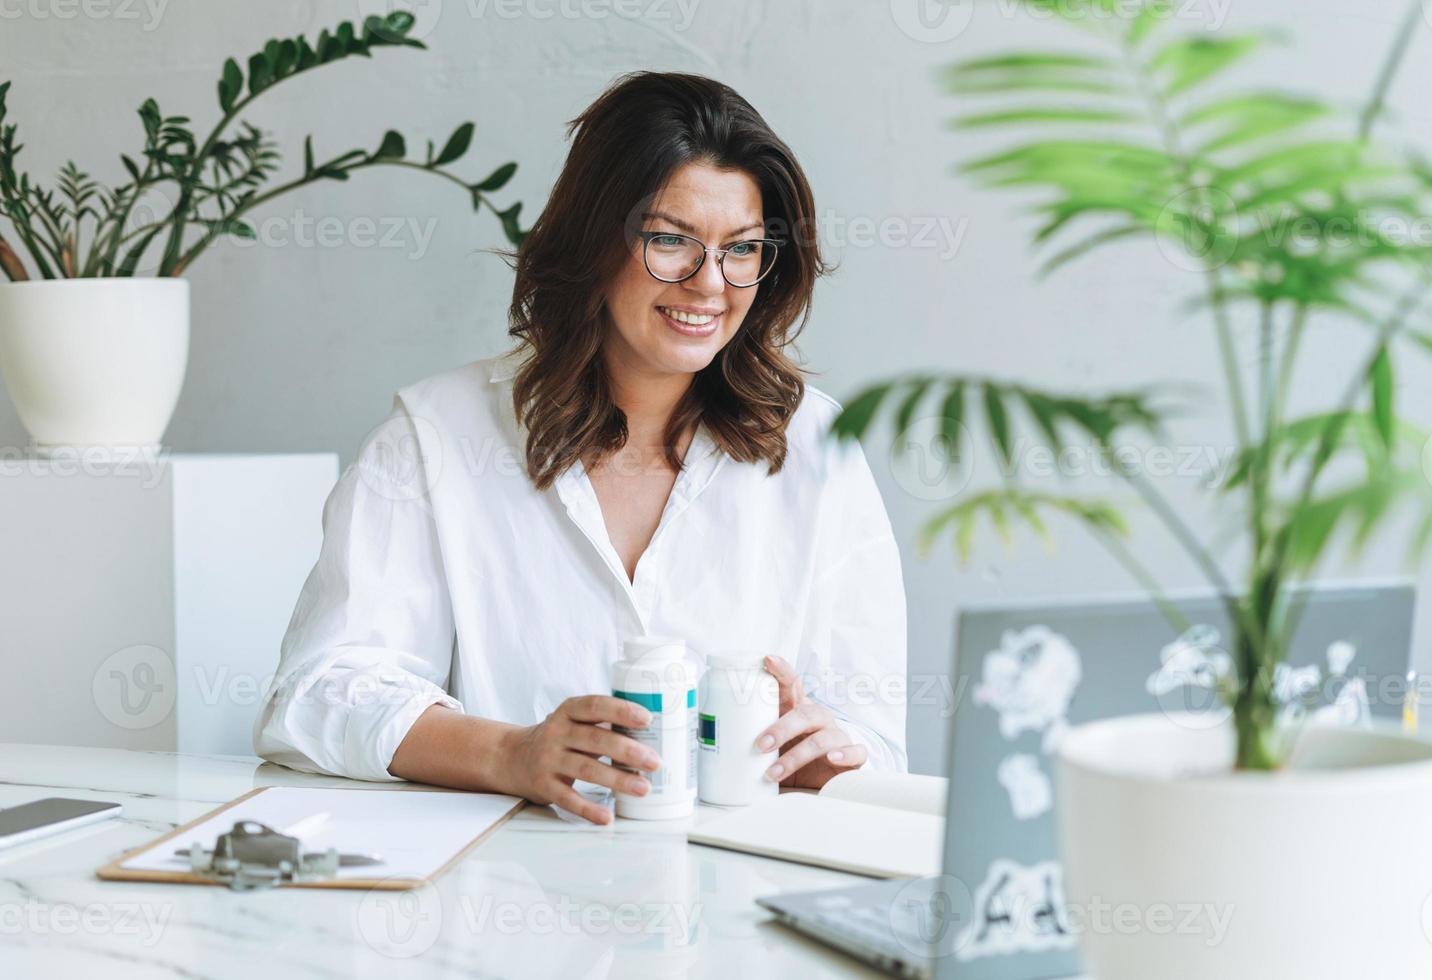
(143, 598)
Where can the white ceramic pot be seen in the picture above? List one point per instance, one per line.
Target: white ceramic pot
(1178, 868)
(94, 362)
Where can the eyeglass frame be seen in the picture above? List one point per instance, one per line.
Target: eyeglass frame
(647, 236)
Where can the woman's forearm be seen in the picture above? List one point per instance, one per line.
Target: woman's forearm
(447, 748)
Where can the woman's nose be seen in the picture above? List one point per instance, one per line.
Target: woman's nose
(708, 279)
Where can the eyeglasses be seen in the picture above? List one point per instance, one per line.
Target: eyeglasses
(670, 257)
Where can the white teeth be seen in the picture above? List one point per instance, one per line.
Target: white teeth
(693, 319)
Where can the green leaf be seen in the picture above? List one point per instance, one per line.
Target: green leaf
(1382, 395)
(1031, 61)
(998, 420)
(285, 58)
(905, 414)
(514, 232)
(964, 538)
(496, 180)
(149, 115)
(231, 85)
(392, 29)
(456, 145)
(855, 417)
(1002, 503)
(259, 74)
(307, 57)
(951, 413)
(1036, 115)
(1088, 245)
(393, 146)
(231, 226)
(999, 519)
(1043, 409)
(1150, 14)
(1188, 61)
(1245, 118)
(1026, 71)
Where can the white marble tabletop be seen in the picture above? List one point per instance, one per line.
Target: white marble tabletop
(543, 896)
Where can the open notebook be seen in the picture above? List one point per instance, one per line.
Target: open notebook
(415, 834)
(881, 824)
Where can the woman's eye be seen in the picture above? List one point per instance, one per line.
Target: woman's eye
(668, 241)
(744, 249)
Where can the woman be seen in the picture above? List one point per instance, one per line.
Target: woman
(647, 460)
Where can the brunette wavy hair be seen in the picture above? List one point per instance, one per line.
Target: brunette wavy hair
(627, 144)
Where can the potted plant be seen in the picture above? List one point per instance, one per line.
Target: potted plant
(94, 318)
(1313, 839)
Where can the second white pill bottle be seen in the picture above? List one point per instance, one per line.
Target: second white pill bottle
(658, 673)
(739, 699)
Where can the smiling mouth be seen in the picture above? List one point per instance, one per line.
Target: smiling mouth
(690, 323)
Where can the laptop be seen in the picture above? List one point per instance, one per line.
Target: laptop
(1022, 675)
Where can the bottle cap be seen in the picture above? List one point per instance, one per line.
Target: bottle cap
(736, 660)
(653, 649)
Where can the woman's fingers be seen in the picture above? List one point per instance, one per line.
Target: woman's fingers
(616, 746)
(573, 802)
(593, 709)
(789, 682)
(802, 718)
(851, 756)
(584, 767)
(807, 750)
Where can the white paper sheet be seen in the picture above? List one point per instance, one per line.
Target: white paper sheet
(897, 790)
(415, 833)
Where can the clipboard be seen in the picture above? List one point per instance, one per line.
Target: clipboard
(489, 811)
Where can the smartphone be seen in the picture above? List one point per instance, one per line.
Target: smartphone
(28, 821)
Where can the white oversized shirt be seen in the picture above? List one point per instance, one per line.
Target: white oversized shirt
(446, 577)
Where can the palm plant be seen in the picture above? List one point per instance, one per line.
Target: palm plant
(1283, 220)
(204, 189)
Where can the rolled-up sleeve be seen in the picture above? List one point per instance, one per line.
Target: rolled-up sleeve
(854, 643)
(370, 644)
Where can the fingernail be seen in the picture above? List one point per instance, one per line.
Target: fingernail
(767, 742)
(775, 771)
(651, 761)
(643, 787)
(836, 756)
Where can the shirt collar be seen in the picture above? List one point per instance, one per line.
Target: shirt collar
(703, 455)
(505, 366)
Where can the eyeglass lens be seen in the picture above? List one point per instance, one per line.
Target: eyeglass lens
(675, 257)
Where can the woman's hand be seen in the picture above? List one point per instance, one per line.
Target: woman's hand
(813, 746)
(546, 758)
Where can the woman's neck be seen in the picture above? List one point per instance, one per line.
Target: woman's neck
(648, 400)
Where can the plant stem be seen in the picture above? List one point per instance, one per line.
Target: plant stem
(1171, 613)
(1213, 282)
(1258, 475)
(1394, 322)
(1290, 354)
(10, 263)
(1185, 537)
(209, 236)
(117, 237)
(1390, 65)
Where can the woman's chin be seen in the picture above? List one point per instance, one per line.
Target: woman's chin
(686, 355)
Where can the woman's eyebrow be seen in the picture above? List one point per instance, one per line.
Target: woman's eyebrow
(690, 230)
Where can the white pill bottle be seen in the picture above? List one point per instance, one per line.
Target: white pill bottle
(658, 673)
(739, 699)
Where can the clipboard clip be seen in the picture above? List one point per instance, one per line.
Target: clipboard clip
(253, 856)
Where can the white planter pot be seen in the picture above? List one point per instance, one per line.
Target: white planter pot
(1321, 870)
(94, 362)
